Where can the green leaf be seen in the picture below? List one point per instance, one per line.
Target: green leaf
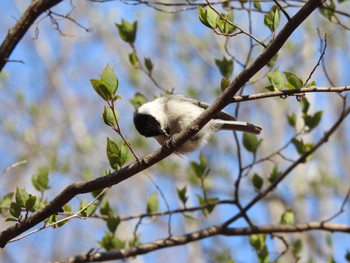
(105, 209)
(127, 31)
(40, 180)
(305, 105)
(292, 119)
(223, 24)
(276, 79)
(311, 84)
(272, 18)
(110, 242)
(302, 147)
(108, 116)
(82, 206)
(225, 66)
(276, 19)
(272, 61)
(133, 59)
(224, 84)
(299, 145)
(125, 155)
(15, 210)
(257, 241)
(207, 16)
(287, 218)
(152, 203)
(293, 80)
(297, 247)
(257, 181)
(257, 5)
(312, 121)
(111, 80)
(138, 100)
(251, 142)
(229, 259)
(327, 10)
(149, 65)
(67, 208)
(21, 197)
(53, 219)
(200, 168)
(91, 209)
(347, 256)
(87, 210)
(113, 154)
(181, 192)
(209, 209)
(113, 223)
(101, 88)
(275, 174)
(29, 204)
(329, 240)
(5, 202)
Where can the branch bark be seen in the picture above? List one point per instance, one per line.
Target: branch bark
(285, 93)
(118, 176)
(202, 234)
(16, 33)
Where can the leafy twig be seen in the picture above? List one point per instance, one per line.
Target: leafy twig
(75, 215)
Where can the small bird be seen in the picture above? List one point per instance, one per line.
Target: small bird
(170, 114)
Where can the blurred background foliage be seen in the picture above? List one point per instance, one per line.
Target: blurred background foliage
(50, 118)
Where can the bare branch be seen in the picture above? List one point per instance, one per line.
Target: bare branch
(15, 34)
(205, 233)
(286, 93)
(282, 9)
(301, 160)
(14, 165)
(323, 52)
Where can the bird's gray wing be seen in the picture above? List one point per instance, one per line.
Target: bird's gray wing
(222, 115)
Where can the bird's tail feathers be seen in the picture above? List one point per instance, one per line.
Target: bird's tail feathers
(240, 126)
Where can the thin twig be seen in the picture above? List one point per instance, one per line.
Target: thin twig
(286, 93)
(166, 203)
(301, 160)
(76, 215)
(235, 25)
(148, 73)
(282, 9)
(341, 210)
(118, 130)
(323, 52)
(13, 166)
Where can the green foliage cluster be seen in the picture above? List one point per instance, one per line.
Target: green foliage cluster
(18, 205)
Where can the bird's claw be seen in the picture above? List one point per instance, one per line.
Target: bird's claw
(170, 143)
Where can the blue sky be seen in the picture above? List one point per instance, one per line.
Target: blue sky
(179, 65)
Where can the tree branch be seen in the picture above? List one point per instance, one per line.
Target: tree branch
(16, 33)
(205, 233)
(285, 93)
(301, 160)
(118, 176)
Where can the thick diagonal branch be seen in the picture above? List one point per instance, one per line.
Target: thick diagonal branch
(16, 33)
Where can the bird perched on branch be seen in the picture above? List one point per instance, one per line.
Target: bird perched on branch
(171, 114)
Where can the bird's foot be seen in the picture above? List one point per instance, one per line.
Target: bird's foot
(170, 143)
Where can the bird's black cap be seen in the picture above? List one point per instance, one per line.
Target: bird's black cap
(147, 125)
